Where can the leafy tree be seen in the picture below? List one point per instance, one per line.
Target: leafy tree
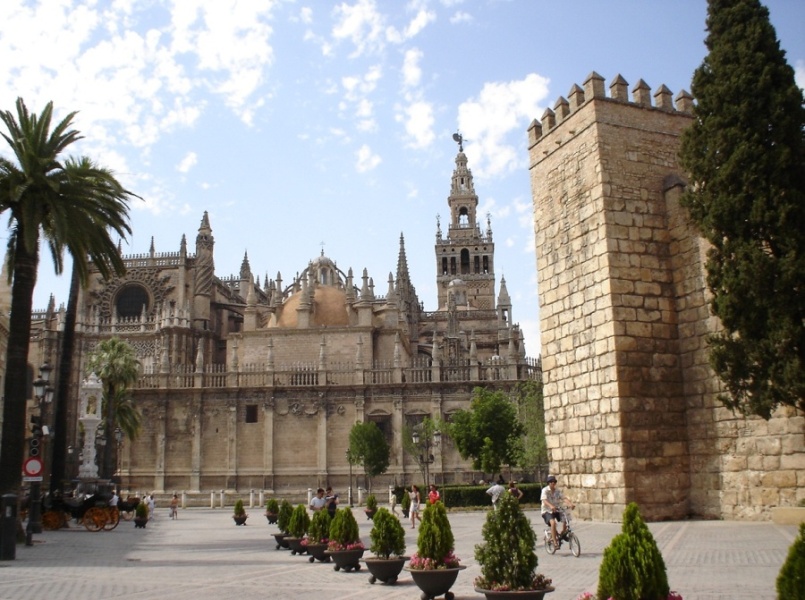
(368, 447)
(116, 365)
(489, 432)
(427, 431)
(284, 516)
(387, 535)
(791, 579)
(632, 567)
(531, 414)
(744, 154)
(299, 521)
(72, 204)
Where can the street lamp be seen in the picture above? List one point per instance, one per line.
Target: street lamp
(119, 440)
(349, 491)
(44, 395)
(424, 444)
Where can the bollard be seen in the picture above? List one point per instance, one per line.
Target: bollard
(309, 495)
(262, 498)
(8, 527)
(360, 496)
(184, 499)
(222, 498)
(251, 498)
(212, 499)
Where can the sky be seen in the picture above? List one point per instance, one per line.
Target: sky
(309, 126)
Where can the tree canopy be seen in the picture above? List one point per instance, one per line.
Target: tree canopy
(531, 414)
(368, 447)
(744, 155)
(488, 432)
(70, 203)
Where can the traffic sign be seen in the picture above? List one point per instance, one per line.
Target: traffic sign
(32, 467)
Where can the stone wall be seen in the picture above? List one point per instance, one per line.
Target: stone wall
(631, 406)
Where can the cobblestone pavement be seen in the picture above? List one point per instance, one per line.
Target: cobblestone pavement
(203, 556)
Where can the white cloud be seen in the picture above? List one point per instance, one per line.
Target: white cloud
(418, 119)
(461, 16)
(366, 159)
(499, 109)
(799, 73)
(412, 73)
(187, 163)
(361, 24)
(306, 15)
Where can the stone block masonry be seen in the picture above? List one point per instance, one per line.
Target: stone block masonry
(631, 404)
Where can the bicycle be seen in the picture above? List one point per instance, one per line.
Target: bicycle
(567, 536)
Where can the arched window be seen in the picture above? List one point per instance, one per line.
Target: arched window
(465, 261)
(463, 218)
(131, 300)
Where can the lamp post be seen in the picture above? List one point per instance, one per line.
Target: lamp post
(119, 440)
(424, 444)
(349, 491)
(44, 395)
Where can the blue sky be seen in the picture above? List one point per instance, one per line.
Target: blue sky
(297, 123)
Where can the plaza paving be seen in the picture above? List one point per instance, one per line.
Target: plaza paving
(204, 556)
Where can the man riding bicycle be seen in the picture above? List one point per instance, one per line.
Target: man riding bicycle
(552, 498)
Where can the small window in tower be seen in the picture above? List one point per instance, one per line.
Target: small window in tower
(251, 413)
(486, 264)
(452, 265)
(463, 218)
(477, 264)
(444, 266)
(465, 261)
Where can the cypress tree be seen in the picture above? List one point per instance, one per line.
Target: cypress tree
(744, 155)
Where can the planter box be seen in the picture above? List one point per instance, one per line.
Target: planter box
(788, 515)
(523, 595)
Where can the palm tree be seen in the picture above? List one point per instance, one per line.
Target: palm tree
(72, 204)
(116, 365)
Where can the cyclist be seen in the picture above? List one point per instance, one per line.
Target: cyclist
(552, 498)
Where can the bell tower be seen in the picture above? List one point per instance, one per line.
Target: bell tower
(465, 254)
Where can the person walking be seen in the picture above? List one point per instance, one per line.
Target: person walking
(414, 508)
(174, 507)
(318, 501)
(495, 492)
(433, 494)
(515, 491)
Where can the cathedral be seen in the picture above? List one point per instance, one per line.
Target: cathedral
(254, 385)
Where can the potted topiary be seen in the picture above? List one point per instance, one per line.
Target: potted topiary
(791, 581)
(632, 566)
(507, 558)
(283, 517)
(239, 514)
(433, 566)
(405, 503)
(318, 535)
(345, 546)
(297, 528)
(272, 509)
(388, 546)
(141, 516)
(371, 506)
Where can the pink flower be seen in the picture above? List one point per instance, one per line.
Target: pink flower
(421, 563)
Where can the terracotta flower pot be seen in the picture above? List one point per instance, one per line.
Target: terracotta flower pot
(318, 552)
(386, 570)
(271, 518)
(281, 543)
(140, 522)
(295, 544)
(435, 582)
(240, 519)
(348, 560)
(515, 595)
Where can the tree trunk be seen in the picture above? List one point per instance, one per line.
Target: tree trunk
(58, 474)
(15, 391)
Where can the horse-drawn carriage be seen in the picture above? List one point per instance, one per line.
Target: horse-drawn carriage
(88, 505)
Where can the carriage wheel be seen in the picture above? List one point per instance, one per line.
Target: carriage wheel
(53, 520)
(112, 518)
(95, 518)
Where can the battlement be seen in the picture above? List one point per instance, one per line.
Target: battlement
(618, 92)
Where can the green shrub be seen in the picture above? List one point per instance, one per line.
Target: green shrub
(632, 567)
(272, 506)
(791, 580)
(434, 546)
(405, 503)
(319, 530)
(371, 502)
(239, 510)
(284, 516)
(141, 510)
(299, 522)
(387, 535)
(507, 559)
(343, 530)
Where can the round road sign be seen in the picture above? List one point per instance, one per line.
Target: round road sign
(32, 467)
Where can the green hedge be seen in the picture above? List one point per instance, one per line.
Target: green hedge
(463, 496)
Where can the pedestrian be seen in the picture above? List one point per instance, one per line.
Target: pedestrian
(152, 507)
(414, 509)
(495, 491)
(552, 500)
(331, 501)
(174, 506)
(114, 499)
(318, 501)
(433, 494)
(515, 491)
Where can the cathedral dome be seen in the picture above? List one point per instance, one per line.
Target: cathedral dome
(329, 308)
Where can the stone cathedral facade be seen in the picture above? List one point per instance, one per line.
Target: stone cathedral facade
(631, 404)
(255, 383)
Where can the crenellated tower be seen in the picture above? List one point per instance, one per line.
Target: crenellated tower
(466, 254)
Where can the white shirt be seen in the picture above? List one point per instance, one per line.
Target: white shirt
(554, 496)
(317, 503)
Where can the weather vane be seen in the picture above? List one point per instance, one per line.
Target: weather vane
(459, 139)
